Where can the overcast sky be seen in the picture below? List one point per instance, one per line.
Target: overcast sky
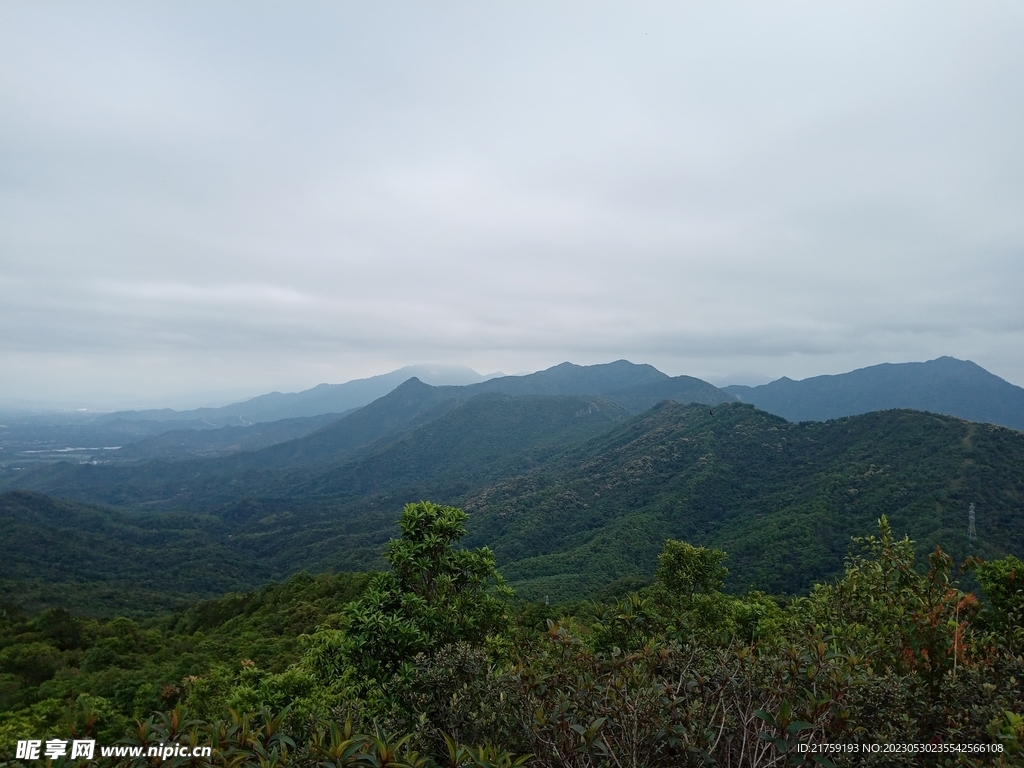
(200, 201)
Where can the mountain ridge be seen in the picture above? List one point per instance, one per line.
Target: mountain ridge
(415, 402)
(781, 499)
(945, 385)
(321, 399)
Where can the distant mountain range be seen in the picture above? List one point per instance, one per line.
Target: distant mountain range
(949, 386)
(404, 409)
(321, 399)
(643, 385)
(634, 388)
(946, 385)
(141, 435)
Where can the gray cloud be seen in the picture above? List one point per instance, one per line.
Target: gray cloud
(205, 198)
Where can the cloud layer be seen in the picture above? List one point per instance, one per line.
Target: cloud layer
(211, 198)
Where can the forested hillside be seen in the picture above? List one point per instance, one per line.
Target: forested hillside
(334, 517)
(574, 495)
(434, 664)
(781, 498)
(99, 561)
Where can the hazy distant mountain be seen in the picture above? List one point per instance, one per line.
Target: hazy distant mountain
(321, 399)
(641, 385)
(410, 404)
(182, 443)
(413, 440)
(415, 403)
(404, 408)
(570, 379)
(635, 387)
(946, 385)
(28, 441)
(681, 389)
(168, 434)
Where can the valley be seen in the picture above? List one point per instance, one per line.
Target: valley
(573, 492)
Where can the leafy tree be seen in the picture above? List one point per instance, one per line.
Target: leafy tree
(433, 596)
(685, 570)
(689, 586)
(685, 601)
(1003, 582)
(883, 607)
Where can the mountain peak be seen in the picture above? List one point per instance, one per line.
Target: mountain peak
(411, 383)
(944, 385)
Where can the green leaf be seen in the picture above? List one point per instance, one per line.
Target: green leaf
(767, 717)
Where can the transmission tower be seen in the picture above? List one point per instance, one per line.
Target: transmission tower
(972, 534)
